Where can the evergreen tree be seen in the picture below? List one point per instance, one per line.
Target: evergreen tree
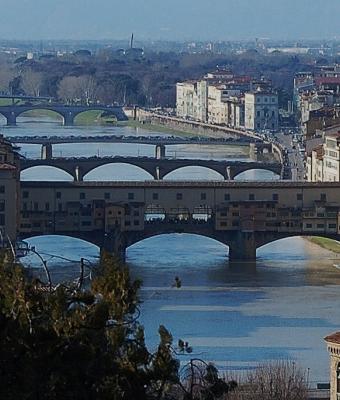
(68, 343)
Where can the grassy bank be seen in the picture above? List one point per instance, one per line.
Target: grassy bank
(328, 244)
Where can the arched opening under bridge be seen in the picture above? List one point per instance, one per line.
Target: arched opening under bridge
(118, 172)
(295, 247)
(257, 175)
(41, 115)
(193, 173)
(167, 253)
(45, 173)
(62, 255)
(94, 117)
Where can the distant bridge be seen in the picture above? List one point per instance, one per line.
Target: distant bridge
(67, 112)
(152, 140)
(256, 147)
(157, 168)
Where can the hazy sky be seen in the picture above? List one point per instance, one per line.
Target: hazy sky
(169, 19)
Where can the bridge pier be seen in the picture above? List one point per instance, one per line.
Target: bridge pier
(157, 175)
(46, 151)
(243, 248)
(68, 118)
(78, 174)
(160, 151)
(115, 243)
(227, 174)
(11, 119)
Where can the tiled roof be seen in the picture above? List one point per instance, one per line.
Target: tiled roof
(334, 338)
(328, 79)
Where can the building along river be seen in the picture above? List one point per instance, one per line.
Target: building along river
(235, 316)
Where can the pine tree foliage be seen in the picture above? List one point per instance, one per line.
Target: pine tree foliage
(78, 344)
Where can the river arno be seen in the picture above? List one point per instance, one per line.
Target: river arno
(235, 316)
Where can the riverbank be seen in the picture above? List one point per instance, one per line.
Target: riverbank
(328, 244)
(154, 127)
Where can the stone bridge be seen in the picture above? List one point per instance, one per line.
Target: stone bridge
(67, 112)
(157, 168)
(242, 215)
(243, 245)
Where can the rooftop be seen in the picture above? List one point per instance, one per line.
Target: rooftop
(333, 338)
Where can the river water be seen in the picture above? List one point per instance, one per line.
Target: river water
(234, 315)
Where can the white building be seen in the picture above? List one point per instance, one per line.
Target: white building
(323, 161)
(261, 110)
(191, 100)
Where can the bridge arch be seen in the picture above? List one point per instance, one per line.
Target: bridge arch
(167, 242)
(131, 172)
(98, 109)
(83, 238)
(254, 174)
(194, 172)
(59, 114)
(51, 173)
(268, 240)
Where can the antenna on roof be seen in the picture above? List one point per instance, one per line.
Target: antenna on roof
(131, 42)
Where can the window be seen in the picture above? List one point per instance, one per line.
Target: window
(154, 196)
(179, 196)
(136, 213)
(36, 225)
(2, 189)
(2, 205)
(127, 223)
(107, 196)
(251, 196)
(275, 197)
(82, 196)
(36, 206)
(236, 214)
(332, 226)
(299, 197)
(2, 219)
(309, 226)
(60, 207)
(24, 206)
(224, 223)
(25, 194)
(235, 223)
(47, 206)
(227, 197)
(136, 222)
(323, 197)
(86, 223)
(258, 113)
(320, 226)
(58, 195)
(131, 196)
(203, 196)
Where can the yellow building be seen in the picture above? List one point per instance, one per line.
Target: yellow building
(333, 347)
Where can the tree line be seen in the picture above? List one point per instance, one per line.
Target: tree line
(149, 80)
